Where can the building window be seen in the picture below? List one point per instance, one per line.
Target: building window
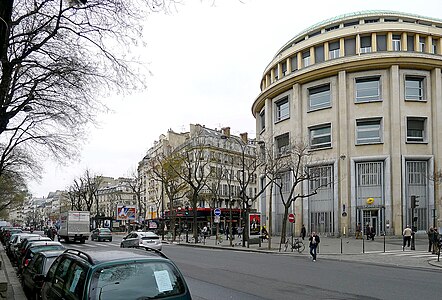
(365, 44)
(414, 88)
(416, 132)
(282, 109)
(396, 42)
(368, 131)
(368, 89)
(262, 120)
(284, 68)
(434, 47)
(276, 71)
(319, 97)
(320, 136)
(306, 58)
(333, 50)
(421, 44)
(282, 144)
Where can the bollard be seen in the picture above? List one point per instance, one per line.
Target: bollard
(384, 242)
(341, 245)
(363, 246)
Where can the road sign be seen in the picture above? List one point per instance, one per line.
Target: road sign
(291, 218)
(217, 212)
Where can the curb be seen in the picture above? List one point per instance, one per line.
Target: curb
(15, 290)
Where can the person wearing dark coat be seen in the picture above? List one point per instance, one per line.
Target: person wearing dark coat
(314, 242)
(303, 232)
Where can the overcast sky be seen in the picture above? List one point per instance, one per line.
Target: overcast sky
(206, 63)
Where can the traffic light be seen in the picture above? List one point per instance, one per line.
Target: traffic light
(414, 201)
(187, 210)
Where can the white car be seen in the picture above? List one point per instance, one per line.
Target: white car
(142, 238)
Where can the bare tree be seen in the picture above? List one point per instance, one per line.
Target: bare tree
(76, 194)
(291, 171)
(57, 58)
(194, 171)
(162, 169)
(135, 185)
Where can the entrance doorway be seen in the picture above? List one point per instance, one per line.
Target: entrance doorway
(370, 219)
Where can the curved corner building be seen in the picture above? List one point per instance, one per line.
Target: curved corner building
(365, 91)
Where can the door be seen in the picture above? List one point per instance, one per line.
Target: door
(370, 219)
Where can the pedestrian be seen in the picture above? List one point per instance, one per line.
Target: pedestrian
(303, 232)
(227, 232)
(372, 232)
(367, 231)
(407, 233)
(430, 239)
(435, 240)
(358, 231)
(240, 230)
(314, 243)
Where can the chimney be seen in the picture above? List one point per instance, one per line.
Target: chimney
(244, 137)
(226, 131)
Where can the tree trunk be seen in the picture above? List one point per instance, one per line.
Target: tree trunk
(284, 225)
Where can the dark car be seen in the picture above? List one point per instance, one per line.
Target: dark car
(20, 251)
(101, 234)
(38, 266)
(116, 274)
(36, 247)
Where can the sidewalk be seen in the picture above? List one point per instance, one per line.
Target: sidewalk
(9, 279)
(381, 251)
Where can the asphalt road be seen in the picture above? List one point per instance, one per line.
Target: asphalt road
(225, 274)
(221, 274)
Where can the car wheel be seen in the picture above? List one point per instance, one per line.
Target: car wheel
(110, 240)
(121, 245)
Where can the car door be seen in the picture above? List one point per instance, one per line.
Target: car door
(56, 278)
(129, 240)
(35, 267)
(76, 282)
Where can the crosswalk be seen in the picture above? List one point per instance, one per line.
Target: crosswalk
(406, 253)
(91, 245)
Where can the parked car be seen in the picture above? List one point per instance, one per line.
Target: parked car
(36, 247)
(15, 241)
(101, 234)
(116, 274)
(20, 251)
(6, 234)
(39, 265)
(140, 238)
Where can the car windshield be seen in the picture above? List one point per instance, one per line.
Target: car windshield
(144, 280)
(104, 230)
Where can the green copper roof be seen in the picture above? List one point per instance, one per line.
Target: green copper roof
(354, 15)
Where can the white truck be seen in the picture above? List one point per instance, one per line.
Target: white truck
(74, 226)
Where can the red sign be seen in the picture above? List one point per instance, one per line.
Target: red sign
(291, 218)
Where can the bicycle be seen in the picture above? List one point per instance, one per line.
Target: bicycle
(298, 245)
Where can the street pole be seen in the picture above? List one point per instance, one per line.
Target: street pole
(412, 229)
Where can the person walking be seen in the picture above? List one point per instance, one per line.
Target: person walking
(372, 232)
(358, 231)
(303, 232)
(435, 240)
(430, 239)
(314, 243)
(367, 231)
(407, 233)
